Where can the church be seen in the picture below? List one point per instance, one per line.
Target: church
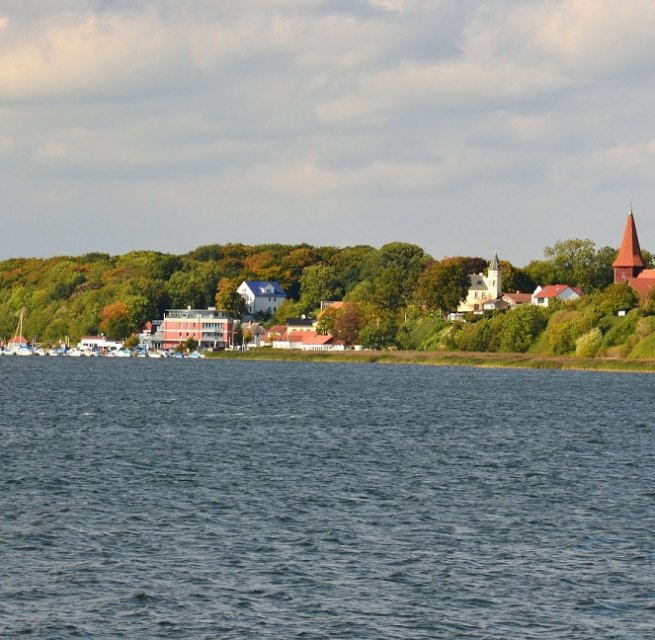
(629, 265)
(483, 290)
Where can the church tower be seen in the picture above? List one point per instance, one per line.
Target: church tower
(628, 263)
(493, 278)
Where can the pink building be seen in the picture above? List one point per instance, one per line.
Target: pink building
(211, 328)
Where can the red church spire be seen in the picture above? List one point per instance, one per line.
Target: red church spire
(628, 263)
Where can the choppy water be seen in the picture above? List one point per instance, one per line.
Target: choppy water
(179, 499)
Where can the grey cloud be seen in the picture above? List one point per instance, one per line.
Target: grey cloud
(465, 127)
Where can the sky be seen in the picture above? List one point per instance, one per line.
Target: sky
(464, 126)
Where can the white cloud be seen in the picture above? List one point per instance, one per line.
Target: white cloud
(443, 87)
(96, 56)
(271, 110)
(581, 38)
(635, 160)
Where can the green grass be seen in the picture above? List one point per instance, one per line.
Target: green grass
(644, 349)
(439, 358)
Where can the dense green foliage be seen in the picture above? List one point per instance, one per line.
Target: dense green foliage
(394, 297)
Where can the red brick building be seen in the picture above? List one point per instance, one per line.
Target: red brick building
(629, 265)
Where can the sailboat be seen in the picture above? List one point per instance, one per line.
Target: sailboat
(18, 346)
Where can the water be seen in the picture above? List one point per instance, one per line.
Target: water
(210, 499)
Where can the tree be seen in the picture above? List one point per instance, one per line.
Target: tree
(140, 310)
(326, 320)
(349, 263)
(393, 272)
(347, 323)
(515, 279)
(521, 328)
(443, 284)
(131, 342)
(576, 262)
(318, 282)
(115, 320)
(379, 334)
(237, 335)
(617, 297)
(288, 309)
(228, 299)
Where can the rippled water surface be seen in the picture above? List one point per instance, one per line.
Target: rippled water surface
(210, 499)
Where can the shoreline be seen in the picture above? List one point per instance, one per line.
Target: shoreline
(448, 359)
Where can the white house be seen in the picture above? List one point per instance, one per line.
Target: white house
(483, 289)
(543, 295)
(261, 297)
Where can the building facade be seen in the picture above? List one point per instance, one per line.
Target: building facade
(629, 265)
(261, 297)
(483, 289)
(212, 329)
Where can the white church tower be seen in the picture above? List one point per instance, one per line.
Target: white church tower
(483, 288)
(493, 278)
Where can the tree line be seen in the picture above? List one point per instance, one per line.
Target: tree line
(394, 296)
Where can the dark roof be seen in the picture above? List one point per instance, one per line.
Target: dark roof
(300, 322)
(258, 287)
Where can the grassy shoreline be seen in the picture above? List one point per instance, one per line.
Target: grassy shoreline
(447, 358)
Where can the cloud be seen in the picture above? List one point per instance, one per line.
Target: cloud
(635, 162)
(580, 39)
(511, 54)
(374, 109)
(443, 87)
(392, 5)
(97, 56)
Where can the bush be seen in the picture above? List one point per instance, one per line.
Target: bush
(521, 328)
(588, 345)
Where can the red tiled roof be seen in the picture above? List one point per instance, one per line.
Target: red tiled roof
(643, 285)
(296, 336)
(275, 332)
(278, 328)
(517, 298)
(629, 253)
(315, 338)
(306, 337)
(553, 290)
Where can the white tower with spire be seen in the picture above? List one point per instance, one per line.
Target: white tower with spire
(483, 288)
(494, 278)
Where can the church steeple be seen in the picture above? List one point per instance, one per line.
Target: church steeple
(494, 277)
(628, 263)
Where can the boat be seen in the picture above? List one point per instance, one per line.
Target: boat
(19, 346)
